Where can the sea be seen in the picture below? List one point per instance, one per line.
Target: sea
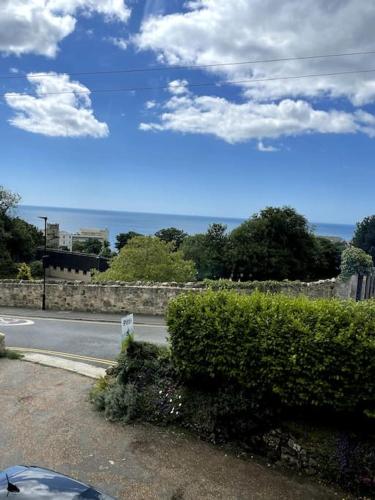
(72, 219)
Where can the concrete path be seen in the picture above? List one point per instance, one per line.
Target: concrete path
(47, 420)
(88, 336)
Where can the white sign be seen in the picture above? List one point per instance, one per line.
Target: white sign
(127, 326)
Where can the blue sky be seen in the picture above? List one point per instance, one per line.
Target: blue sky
(223, 151)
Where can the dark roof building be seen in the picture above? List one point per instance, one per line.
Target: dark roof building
(61, 264)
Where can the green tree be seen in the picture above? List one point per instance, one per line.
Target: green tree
(355, 261)
(123, 238)
(209, 251)
(172, 235)
(18, 239)
(146, 258)
(8, 200)
(106, 250)
(327, 258)
(22, 239)
(276, 243)
(92, 245)
(364, 236)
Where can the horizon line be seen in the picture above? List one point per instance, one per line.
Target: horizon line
(172, 214)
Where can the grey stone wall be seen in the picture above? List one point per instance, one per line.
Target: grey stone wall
(136, 297)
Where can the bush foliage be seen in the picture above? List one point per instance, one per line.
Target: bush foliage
(24, 272)
(364, 236)
(355, 261)
(307, 353)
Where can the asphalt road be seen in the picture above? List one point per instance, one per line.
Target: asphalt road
(98, 339)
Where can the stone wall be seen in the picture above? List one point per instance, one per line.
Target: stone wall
(140, 298)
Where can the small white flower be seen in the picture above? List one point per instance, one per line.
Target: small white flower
(172, 411)
(179, 397)
(179, 404)
(160, 392)
(170, 401)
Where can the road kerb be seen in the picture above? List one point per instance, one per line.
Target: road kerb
(68, 355)
(83, 369)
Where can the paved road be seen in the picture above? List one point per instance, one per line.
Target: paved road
(99, 339)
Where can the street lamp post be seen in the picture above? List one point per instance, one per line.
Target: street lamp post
(44, 263)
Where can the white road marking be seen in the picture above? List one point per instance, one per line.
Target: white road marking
(7, 321)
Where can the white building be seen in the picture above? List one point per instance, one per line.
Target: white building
(85, 234)
(66, 240)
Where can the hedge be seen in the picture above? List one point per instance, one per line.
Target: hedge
(262, 286)
(306, 353)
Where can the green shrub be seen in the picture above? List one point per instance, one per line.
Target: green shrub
(10, 354)
(36, 268)
(355, 261)
(146, 387)
(307, 353)
(261, 286)
(24, 272)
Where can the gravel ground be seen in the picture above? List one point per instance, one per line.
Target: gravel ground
(46, 420)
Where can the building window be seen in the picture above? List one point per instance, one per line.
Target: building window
(61, 268)
(77, 271)
(84, 273)
(69, 269)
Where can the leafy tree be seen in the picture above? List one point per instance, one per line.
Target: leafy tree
(106, 250)
(22, 239)
(172, 235)
(92, 245)
(355, 261)
(123, 238)
(364, 236)
(8, 200)
(209, 251)
(24, 272)
(327, 259)
(18, 239)
(146, 258)
(276, 243)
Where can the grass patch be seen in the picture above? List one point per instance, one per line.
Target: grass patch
(11, 354)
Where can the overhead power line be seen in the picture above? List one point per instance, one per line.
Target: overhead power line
(198, 84)
(192, 66)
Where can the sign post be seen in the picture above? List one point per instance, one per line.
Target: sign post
(127, 326)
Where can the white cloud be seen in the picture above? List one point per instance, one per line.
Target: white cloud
(51, 113)
(266, 149)
(212, 31)
(217, 31)
(15, 71)
(239, 122)
(119, 42)
(150, 104)
(178, 87)
(112, 10)
(38, 26)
